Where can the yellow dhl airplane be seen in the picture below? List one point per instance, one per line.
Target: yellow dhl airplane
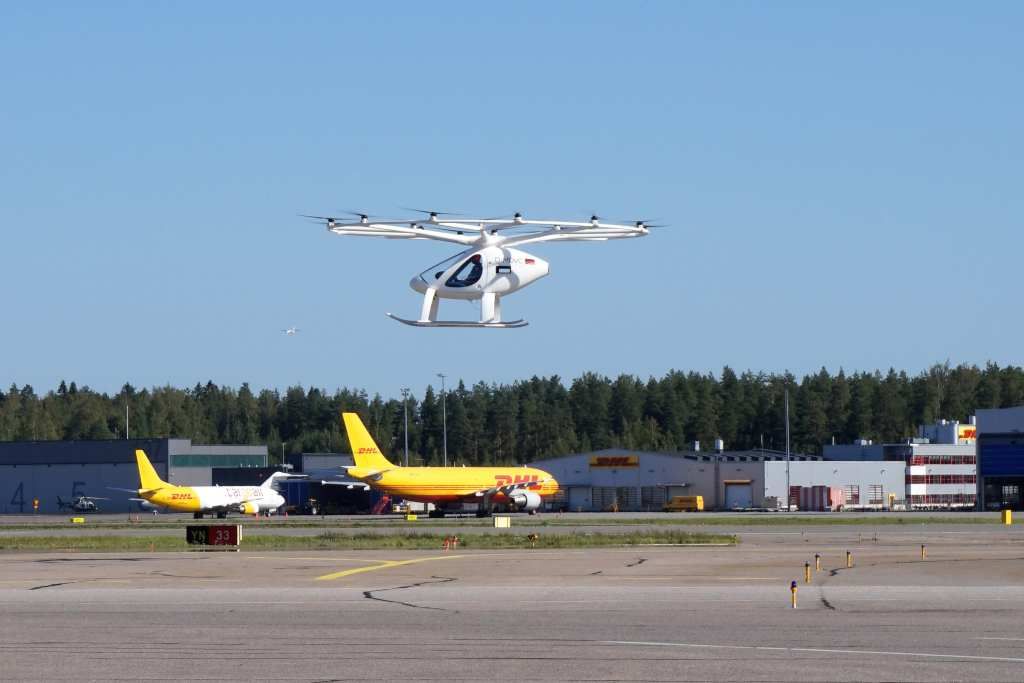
(517, 488)
(154, 492)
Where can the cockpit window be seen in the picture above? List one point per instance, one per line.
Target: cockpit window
(468, 273)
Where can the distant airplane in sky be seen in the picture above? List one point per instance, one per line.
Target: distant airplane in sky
(291, 331)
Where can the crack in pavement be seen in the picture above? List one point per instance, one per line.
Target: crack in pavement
(369, 595)
(639, 562)
(48, 560)
(51, 585)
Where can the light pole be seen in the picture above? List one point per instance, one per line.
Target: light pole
(444, 417)
(786, 400)
(405, 411)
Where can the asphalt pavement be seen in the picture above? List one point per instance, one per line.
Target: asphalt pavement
(611, 614)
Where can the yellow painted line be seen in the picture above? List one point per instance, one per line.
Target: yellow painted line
(383, 564)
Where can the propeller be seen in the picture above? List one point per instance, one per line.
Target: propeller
(430, 212)
(330, 220)
(643, 223)
(361, 215)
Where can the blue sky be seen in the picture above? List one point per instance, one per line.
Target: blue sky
(843, 182)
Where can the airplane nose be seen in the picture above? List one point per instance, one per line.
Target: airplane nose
(418, 285)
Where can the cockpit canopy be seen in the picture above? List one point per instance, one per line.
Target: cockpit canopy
(468, 273)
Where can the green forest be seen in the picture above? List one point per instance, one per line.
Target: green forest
(534, 418)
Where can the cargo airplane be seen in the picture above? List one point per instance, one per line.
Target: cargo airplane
(154, 492)
(517, 488)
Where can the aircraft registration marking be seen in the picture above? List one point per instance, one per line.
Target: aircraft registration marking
(383, 564)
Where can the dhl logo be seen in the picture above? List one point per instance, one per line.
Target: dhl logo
(506, 479)
(367, 451)
(614, 461)
(181, 496)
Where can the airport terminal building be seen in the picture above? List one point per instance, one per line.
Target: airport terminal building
(45, 470)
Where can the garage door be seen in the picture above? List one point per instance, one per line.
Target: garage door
(579, 498)
(738, 496)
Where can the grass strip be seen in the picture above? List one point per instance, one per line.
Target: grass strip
(570, 519)
(363, 541)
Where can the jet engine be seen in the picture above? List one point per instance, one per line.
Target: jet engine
(525, 501)
(249, 508)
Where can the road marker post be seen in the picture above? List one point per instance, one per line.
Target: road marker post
(924, 551)
(849, 560)
(817, 562)
(792, 590)
(807, 572)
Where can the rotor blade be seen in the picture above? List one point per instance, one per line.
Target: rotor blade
(431, 212)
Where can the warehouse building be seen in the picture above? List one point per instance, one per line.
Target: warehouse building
(940, 464)
(623, 480)
(1001, 459)
(42, 471)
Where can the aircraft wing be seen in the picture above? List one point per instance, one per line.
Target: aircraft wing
(347, 484)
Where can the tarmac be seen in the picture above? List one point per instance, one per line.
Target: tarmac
(612, 614)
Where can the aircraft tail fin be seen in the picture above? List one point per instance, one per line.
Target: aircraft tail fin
(148, 478)
(271, 481)
(364, 450)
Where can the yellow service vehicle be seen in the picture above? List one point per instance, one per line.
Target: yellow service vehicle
(684, 504)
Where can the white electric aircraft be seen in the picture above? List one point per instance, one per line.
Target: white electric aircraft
(490, 267)
(291, 331)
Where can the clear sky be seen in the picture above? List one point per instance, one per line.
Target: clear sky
(843, 180)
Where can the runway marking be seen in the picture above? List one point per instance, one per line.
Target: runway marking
(383, 564)
(996, 638)
(821, 650)
(319, 559)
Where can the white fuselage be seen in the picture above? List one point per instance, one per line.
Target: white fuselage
(481, 270)
(234, 496)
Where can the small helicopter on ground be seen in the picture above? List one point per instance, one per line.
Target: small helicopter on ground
(80, 504)
(490, 267)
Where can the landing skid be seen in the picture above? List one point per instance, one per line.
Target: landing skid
(457, 323)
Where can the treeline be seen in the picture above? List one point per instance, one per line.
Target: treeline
(534, 418)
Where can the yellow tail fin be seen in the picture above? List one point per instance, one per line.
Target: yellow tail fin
(364, 450)
(148, 478)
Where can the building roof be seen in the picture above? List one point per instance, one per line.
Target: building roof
(753, 455)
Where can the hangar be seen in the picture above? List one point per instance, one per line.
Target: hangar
(1001, 459)
(43, 470)
(625, 480)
